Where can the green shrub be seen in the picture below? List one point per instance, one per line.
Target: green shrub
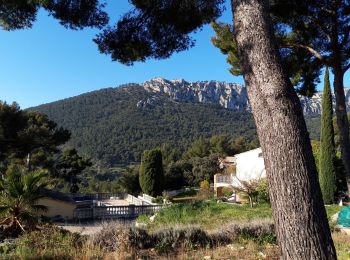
(263, 191)
(259, 231)
(151, 172)
(51, 243)
(187, 193)
(158, 200)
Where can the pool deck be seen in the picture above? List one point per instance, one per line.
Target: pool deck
(114, 202)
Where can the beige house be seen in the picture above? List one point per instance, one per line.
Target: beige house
(59, 205)
(56, 207)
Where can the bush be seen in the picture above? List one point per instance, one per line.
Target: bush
(107, 238)
(53, 243)
(122, 239)
(158, 200)
(204, 185)
(263, 191)
(260, 231)
(174, 175)
(165, 240)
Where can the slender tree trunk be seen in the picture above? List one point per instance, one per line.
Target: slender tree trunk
(251, 201)
(299, 214)
(28, 162)
(342, 122)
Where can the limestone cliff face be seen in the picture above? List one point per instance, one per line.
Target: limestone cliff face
(228, 95)
(312, 106)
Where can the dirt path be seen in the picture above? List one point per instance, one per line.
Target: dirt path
(93, 228)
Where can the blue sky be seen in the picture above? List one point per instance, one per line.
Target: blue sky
(49, 62)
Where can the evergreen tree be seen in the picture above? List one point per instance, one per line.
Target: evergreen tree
(70, 164)
(151, 172)
(327, 149)
(72, 14)
(199, 148)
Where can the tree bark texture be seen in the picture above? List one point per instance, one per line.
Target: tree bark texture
(338, 84)
(300, 218)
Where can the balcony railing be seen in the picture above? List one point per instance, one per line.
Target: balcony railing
(221, 178)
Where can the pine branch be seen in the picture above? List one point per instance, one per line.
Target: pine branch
(318, 55)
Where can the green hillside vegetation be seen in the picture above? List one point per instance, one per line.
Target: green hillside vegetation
(107, 125)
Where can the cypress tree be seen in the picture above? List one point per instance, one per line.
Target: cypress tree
(327, 149)
(151, 172)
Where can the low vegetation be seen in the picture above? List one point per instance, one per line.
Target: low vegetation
(115, 241)
(207, 215)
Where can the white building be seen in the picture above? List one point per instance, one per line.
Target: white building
(250, 165)
(247, 166)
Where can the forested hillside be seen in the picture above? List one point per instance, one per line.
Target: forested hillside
(108, 126)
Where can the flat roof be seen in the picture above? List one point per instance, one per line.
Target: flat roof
(237, 155)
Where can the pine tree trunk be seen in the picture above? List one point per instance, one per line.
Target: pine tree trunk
(342, 122)
(299, 214)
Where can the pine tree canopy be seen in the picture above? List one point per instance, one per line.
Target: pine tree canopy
(73, 14)
(307, 33)
(318, 28)
(156, 29)
(302, 67)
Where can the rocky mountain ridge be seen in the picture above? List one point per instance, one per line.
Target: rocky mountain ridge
(228, 95)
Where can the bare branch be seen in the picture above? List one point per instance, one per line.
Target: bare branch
(314, 52)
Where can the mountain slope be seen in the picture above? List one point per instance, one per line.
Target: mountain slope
(111, 126)
(115, 125)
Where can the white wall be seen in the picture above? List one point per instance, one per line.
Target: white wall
(250, 166)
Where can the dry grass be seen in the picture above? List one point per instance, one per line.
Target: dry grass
(248, 251)
(117, 241)
(342, 245)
